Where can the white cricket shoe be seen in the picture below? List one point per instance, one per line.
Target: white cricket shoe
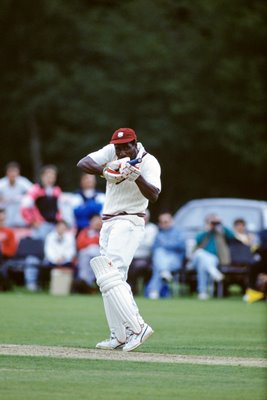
(136, 340)
(110, 344)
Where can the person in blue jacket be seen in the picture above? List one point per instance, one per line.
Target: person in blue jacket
(167, 255)
(90, 201)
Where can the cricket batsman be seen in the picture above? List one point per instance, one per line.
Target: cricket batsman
(132, 180)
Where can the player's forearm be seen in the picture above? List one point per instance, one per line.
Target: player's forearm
(88, 165)
(147, 190)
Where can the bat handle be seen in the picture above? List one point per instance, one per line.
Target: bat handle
(135, 161)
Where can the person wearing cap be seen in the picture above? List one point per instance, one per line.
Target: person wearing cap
(132, 181)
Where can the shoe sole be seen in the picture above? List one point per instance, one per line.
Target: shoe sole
(119, 347)
(144, 337)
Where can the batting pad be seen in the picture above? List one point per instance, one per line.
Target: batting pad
(114, 322)
(101, 265)
(119, 308)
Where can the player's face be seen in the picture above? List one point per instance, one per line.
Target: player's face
(126, 150)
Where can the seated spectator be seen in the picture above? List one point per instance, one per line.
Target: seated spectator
(88, 247)
(212, 250)
(257, 281)
(8, 247)
(8, 243)
(59, 251)
(141, 266)
(12, 188)
(167, 256)
(90, 201)
(241, 233)
(243, 245)
(60, 246)
(40, 206)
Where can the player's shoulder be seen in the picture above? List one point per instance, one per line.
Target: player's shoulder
(148, 158)
(108, 149)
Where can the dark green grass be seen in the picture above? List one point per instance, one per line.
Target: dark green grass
(225, 327)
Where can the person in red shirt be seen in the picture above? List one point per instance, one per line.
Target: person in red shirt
(8, 242)
(8, 248)
(88, 247)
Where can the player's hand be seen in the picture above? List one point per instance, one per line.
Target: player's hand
(130, 172)
(112, 175)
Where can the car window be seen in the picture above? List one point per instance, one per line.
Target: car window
(193, 217)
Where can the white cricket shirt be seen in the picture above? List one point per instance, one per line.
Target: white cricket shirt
(126, 196)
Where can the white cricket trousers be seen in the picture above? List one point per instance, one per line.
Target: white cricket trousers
(119, 238)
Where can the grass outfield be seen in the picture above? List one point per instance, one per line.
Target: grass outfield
(185, 326)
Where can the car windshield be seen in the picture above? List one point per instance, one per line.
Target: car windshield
(193, 217)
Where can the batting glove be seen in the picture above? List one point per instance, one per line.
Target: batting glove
(111, 175)
(130, 172)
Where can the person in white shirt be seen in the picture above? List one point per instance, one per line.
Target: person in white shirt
(59, 251)
(133, 179)
(60, 246)
(13, 187)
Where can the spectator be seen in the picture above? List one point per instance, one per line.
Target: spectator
(90, 201)
(40, 206)
(60, 246)
(12, 188)
(8, 243)
(257, 280)
(212, 251)
(141, 265)
(8, 247)
(243, 235)
(59, 251)
(88, 247)
(168, 255)
(243, 246)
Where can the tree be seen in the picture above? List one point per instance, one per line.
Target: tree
(189, 77)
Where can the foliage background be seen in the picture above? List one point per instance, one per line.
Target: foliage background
(188, 76)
